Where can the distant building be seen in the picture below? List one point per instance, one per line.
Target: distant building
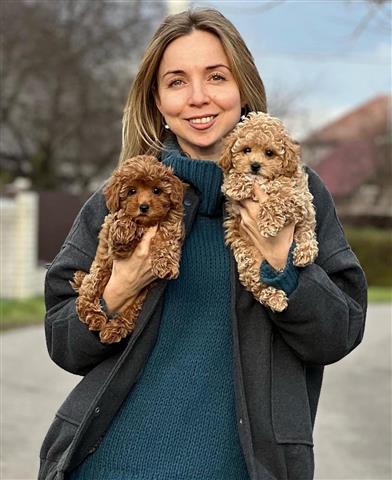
(353, 157)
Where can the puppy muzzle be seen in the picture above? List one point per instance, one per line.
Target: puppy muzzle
(144, 207)
(255, 168)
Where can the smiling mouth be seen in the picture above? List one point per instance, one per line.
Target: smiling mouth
(202, 120)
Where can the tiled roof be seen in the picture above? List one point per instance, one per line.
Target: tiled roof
(366, 121)
(347, 166)
(353, 156)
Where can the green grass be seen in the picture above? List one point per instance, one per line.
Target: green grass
(20, 313)
(380, 294)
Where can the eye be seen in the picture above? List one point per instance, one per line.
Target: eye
(131, 191)
(175, 83)
(269, 153)
(217, 77)
(247, 150)
(156, 190)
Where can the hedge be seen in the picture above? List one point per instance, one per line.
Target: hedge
(373, 247)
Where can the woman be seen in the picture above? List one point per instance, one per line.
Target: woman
(210, 385)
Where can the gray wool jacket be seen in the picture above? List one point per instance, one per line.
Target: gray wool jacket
(278, 358)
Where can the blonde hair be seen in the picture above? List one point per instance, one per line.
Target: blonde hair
(143, 129)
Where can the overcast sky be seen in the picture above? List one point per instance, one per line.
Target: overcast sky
(323, 52)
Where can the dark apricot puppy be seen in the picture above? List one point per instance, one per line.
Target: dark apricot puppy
(141, 193)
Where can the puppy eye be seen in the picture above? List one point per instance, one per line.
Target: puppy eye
(247, 150)
(269, 153)
(131, 191)
(156, 190)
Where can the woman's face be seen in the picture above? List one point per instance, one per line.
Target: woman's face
(197, 94)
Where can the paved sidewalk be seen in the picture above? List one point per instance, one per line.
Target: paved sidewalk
(353, 426)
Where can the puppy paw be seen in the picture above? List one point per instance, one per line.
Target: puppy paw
(95, 321)
(278, 304)
(165, 268)
(275, 299)
(113, 333)
(304, 254)
(77, 280)
(269, 230)
(111, 337)
(117, 329)
(90, 313)
(270, 226)
(123, 237)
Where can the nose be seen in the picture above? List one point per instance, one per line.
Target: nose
(255, 167)
(199, 94)
(144, 207)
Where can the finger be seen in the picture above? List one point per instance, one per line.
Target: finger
(248, 234)
(144, 245)
(289, 228)
(244, 214)
(249, 210)
(247, 204)
(243, 206)
(151, 231)
(242, 229)
(149, 234)
(236, 207)
(260, 194)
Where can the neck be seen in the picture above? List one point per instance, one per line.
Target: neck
(211, 153)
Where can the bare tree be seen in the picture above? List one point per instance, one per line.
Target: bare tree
(378, 15)
(65, 71)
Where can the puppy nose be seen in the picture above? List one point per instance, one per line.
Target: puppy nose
(255, 167)
(144, 207)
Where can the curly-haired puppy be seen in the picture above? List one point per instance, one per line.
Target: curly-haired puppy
(259, 150)
(141, 193)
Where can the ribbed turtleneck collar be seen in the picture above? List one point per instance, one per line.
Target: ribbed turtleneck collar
(204, 175)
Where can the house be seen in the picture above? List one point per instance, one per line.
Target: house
(353, 157)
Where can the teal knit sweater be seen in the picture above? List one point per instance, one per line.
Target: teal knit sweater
(178, 422)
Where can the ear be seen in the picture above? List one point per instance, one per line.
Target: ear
(157, 100)
(291, 157)
(225, 160)
(112, 192)
(157, 103)
(177, 192)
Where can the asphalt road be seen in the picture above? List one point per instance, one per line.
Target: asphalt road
(353, 426)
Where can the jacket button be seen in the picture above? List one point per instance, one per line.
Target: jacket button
(97, 411)
(187, 202)
(240, 421)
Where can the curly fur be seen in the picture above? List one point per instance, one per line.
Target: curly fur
(259, 150)
(141, 193)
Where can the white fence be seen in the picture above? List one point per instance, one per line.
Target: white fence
(21, 276)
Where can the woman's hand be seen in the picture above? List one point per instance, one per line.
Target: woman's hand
(274, 249)
(130, 275)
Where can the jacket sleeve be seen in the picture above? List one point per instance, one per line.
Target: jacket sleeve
(70, 344)
(325, 318)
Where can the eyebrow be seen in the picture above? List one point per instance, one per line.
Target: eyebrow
(210, 67)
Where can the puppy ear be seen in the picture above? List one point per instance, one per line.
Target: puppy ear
(177, 192)
(225, 161)
(291, 157)
(111, 192)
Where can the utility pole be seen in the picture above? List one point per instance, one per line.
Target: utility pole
(176, 6)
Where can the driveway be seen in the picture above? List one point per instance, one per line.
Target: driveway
(353, 426)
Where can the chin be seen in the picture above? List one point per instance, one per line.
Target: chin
(146, 221)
